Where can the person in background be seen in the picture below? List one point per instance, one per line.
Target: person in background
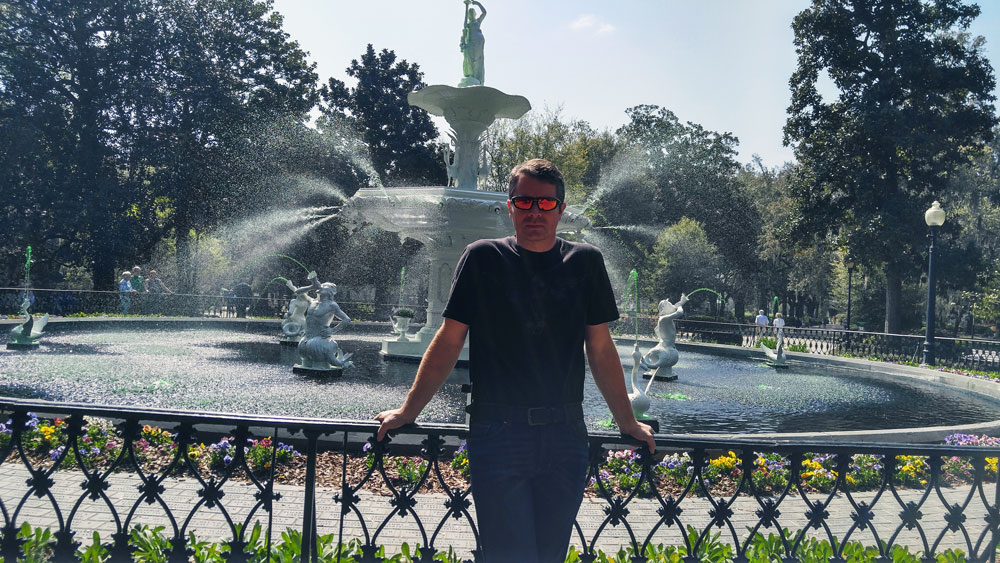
(125, 291)
(156, 290)
(779, 323)
(761, 319)
(155, 284)
(138, 282)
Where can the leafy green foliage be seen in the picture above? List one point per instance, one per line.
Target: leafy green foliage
(683, 258)
(913, 91)
(397, 135)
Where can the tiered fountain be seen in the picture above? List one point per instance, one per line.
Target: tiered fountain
(447, 218)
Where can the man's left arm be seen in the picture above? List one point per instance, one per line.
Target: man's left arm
(610, 379)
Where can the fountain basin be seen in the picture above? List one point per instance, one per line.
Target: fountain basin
(239, 366)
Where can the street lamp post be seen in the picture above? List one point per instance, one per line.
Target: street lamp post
(934, 217)
(850, 274)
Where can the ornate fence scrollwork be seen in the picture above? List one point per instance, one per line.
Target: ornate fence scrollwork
(693, 493)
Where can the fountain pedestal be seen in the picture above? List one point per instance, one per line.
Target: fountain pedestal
(445, 220)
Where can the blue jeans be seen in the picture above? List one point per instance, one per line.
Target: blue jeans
(527, 484)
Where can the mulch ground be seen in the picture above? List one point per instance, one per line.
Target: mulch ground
(330, 472)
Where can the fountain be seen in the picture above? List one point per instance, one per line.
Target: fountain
(235, 366)
(446, 219)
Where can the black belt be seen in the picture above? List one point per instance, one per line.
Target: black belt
(532, 416)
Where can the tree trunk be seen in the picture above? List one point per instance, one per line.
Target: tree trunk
(893, 298)
(739, 309)
(102, 271)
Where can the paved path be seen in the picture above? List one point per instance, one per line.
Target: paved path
(210, 523)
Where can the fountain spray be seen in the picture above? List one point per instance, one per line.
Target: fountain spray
(402, 283)
(27, 270)
(633, 280)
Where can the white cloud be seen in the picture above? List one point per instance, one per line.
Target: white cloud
(591, 23)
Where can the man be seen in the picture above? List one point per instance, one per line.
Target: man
(531, 304)
(761, 319)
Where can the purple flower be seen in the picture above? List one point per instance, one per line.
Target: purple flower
(366, 447)
(227, 460)
(57, 452)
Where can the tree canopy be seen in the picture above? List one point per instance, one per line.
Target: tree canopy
(398, 136)
(913, 92)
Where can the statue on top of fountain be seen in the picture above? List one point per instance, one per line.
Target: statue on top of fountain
(471, 45)
(318, 350)
(27, 334)
(663, 356)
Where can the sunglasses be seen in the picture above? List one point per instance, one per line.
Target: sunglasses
(524, 202)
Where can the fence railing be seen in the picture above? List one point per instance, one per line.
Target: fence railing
(59, 471)
(960, 353)
(87, 302)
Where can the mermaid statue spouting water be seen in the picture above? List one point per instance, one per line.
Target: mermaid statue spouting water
(317, 349)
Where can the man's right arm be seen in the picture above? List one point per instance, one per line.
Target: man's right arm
(434, 368)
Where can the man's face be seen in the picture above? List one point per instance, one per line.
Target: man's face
(535, 229)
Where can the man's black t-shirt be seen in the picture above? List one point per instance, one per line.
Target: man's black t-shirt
(526, 313)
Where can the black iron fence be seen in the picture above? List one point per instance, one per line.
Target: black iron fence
(960, 353)
(77, 470)
(69, 303)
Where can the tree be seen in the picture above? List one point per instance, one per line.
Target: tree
(670, 170)
(228, 73)
(913, 94)
(68, 190)
(399, 137)
(683, 260)
(574, 147)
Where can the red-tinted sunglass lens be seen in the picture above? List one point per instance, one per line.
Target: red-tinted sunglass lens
(547, 204)
(523, 203)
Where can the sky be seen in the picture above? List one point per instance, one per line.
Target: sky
(723, 64)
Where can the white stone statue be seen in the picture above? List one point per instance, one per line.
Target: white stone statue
(294, 324)
(662, 357)
(27, 334)
(638, 397)
(318, 350)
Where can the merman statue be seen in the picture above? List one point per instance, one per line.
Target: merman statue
(662, 357)
(318, 351)
(294, 324)
(27, 334)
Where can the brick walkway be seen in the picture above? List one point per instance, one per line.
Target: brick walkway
(211, 523)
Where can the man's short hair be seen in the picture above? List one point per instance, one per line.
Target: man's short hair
(126, 274)
(540, 169)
